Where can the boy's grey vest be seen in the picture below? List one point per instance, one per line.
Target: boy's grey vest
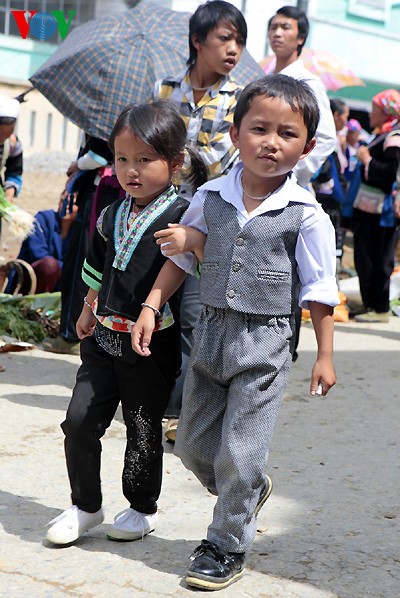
(251, 270)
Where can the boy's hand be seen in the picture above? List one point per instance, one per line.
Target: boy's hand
(142, 332)
(178, 238)
(323, 373)
(86, 323)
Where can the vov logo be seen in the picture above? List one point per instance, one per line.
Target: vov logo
(42, 25)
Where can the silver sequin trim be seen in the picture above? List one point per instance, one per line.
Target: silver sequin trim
(111, 343)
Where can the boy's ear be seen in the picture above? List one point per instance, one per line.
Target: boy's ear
(300, 41)
(234, 133)
(309, 146)
(195, 41)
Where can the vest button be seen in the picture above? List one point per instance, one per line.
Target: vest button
(236, 267)
(231, 294)
(239, 241)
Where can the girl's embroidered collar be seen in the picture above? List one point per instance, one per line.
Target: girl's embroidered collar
(164, 195)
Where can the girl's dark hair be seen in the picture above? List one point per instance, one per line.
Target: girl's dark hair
(207, 17)
(303, 24)
(337, 105)
(159, 125)
(293, 91)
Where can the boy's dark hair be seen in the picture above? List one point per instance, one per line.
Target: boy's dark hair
(159, 125)
(337, 105)
(207, 17)
(293, 91)
(7, 120)
(303, 24)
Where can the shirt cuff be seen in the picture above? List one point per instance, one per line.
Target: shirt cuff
(13, 183)
(91, 161)
(323, 291)
(186, 261)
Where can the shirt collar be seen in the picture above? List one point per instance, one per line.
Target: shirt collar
(230, 189)
(225, 84)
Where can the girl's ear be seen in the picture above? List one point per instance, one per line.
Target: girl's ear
(234, 133)
(309, 146)
(176, 165)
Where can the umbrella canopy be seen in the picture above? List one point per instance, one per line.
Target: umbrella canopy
(110, 62)
(332, 70)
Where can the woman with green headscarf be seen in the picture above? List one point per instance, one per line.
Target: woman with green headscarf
(374, 222)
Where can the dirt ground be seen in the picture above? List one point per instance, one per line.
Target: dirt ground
(41, 191)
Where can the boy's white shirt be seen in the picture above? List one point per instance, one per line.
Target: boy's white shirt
(315, 250)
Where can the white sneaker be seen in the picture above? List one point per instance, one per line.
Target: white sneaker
(71, 524)
(131, 525)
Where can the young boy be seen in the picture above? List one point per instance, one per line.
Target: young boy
(205, 95)
(269, 245)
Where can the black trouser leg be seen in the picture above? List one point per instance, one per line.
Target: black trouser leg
(296, 332)
(144, 395)
(94, 401)
(374, 248)
(143, 388)
(73, 288)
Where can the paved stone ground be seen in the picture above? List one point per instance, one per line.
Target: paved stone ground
(330, 528)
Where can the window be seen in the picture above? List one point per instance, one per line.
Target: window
(48, 129)
(32, 125)
(374, 10)
(64, 132)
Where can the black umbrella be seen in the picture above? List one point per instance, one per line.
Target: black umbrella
(110, 62)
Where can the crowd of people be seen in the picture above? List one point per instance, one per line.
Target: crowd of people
(185, 250)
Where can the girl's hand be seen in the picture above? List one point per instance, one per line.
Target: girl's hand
(323, 373)
(86, 323)
(178, 238)
(142, 332)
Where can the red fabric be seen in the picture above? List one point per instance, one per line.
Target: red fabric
(48, 273)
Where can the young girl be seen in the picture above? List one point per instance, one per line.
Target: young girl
(122, 264)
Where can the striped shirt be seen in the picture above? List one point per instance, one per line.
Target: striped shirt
(207, 122)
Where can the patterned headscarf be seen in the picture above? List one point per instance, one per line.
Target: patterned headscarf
(389, 102)
(353, 125)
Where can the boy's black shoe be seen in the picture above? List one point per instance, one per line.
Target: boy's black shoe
(214, 569)
(264, 494)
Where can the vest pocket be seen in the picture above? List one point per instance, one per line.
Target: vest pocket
(210, 266)
(272, 275)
